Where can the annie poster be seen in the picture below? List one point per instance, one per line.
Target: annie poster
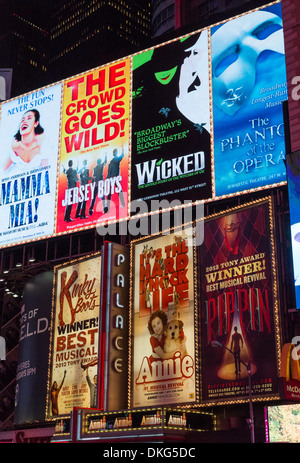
(73, 379)
(93, 175)
(163, 311)
(171, 121)
(249, 85)
(238, 304)
(29, 134)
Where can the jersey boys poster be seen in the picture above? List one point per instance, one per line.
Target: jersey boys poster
(238, 304)
(29, 134)
(171, 121)
(249, 85)
(163, 311)
(74, 329)
(93, 175)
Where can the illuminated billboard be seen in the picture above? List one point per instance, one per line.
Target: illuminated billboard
(238, 304)
(293, 171)
(171, 155)
(163, 321)
(114, 328)
(33, 355)
(29, 134)
(196, 118)
(282, 423)
(93, 170)
(248, 88)
(140, 422)
(289, 383)
(73, 371)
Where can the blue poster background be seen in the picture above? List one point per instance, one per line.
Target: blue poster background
(293, 174)
(249, 145)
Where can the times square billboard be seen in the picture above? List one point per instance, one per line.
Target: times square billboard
(238, 289)
(193, 119)
(186, 299)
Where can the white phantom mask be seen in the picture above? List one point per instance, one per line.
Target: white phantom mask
(240, 39)
(194, 105)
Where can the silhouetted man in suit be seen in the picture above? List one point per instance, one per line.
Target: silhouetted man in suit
(72, 179)
(84, 174)
(97, 177)
(114, 171)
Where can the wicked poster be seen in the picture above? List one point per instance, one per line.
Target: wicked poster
(171, 122)
(238, 304)
(163, 314)
(248, 87)
(74, 337)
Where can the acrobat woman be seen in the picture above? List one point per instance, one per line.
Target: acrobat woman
(55, 390)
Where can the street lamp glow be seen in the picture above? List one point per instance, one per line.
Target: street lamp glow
(216, 344)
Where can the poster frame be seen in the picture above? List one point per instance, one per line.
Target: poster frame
(269, 201)
(48, 415)
(133, 243)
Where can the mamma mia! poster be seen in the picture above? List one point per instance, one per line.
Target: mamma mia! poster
(29, 134)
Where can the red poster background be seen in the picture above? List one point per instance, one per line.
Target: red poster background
(95, 128)
(237, 290)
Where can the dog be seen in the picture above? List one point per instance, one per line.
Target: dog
(175, 339)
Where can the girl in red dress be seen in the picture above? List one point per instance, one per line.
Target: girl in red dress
(157, 325)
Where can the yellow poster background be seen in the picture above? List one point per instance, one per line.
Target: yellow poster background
(169, 290)
(95, 123)
(75, 325)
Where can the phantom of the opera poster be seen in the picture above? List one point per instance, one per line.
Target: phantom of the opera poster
(238, 304)
(249, 85)
(163, 311)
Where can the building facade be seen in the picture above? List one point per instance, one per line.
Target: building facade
(66, 38)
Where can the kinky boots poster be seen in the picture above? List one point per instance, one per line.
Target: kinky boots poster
(238, 304)
(74, 331)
